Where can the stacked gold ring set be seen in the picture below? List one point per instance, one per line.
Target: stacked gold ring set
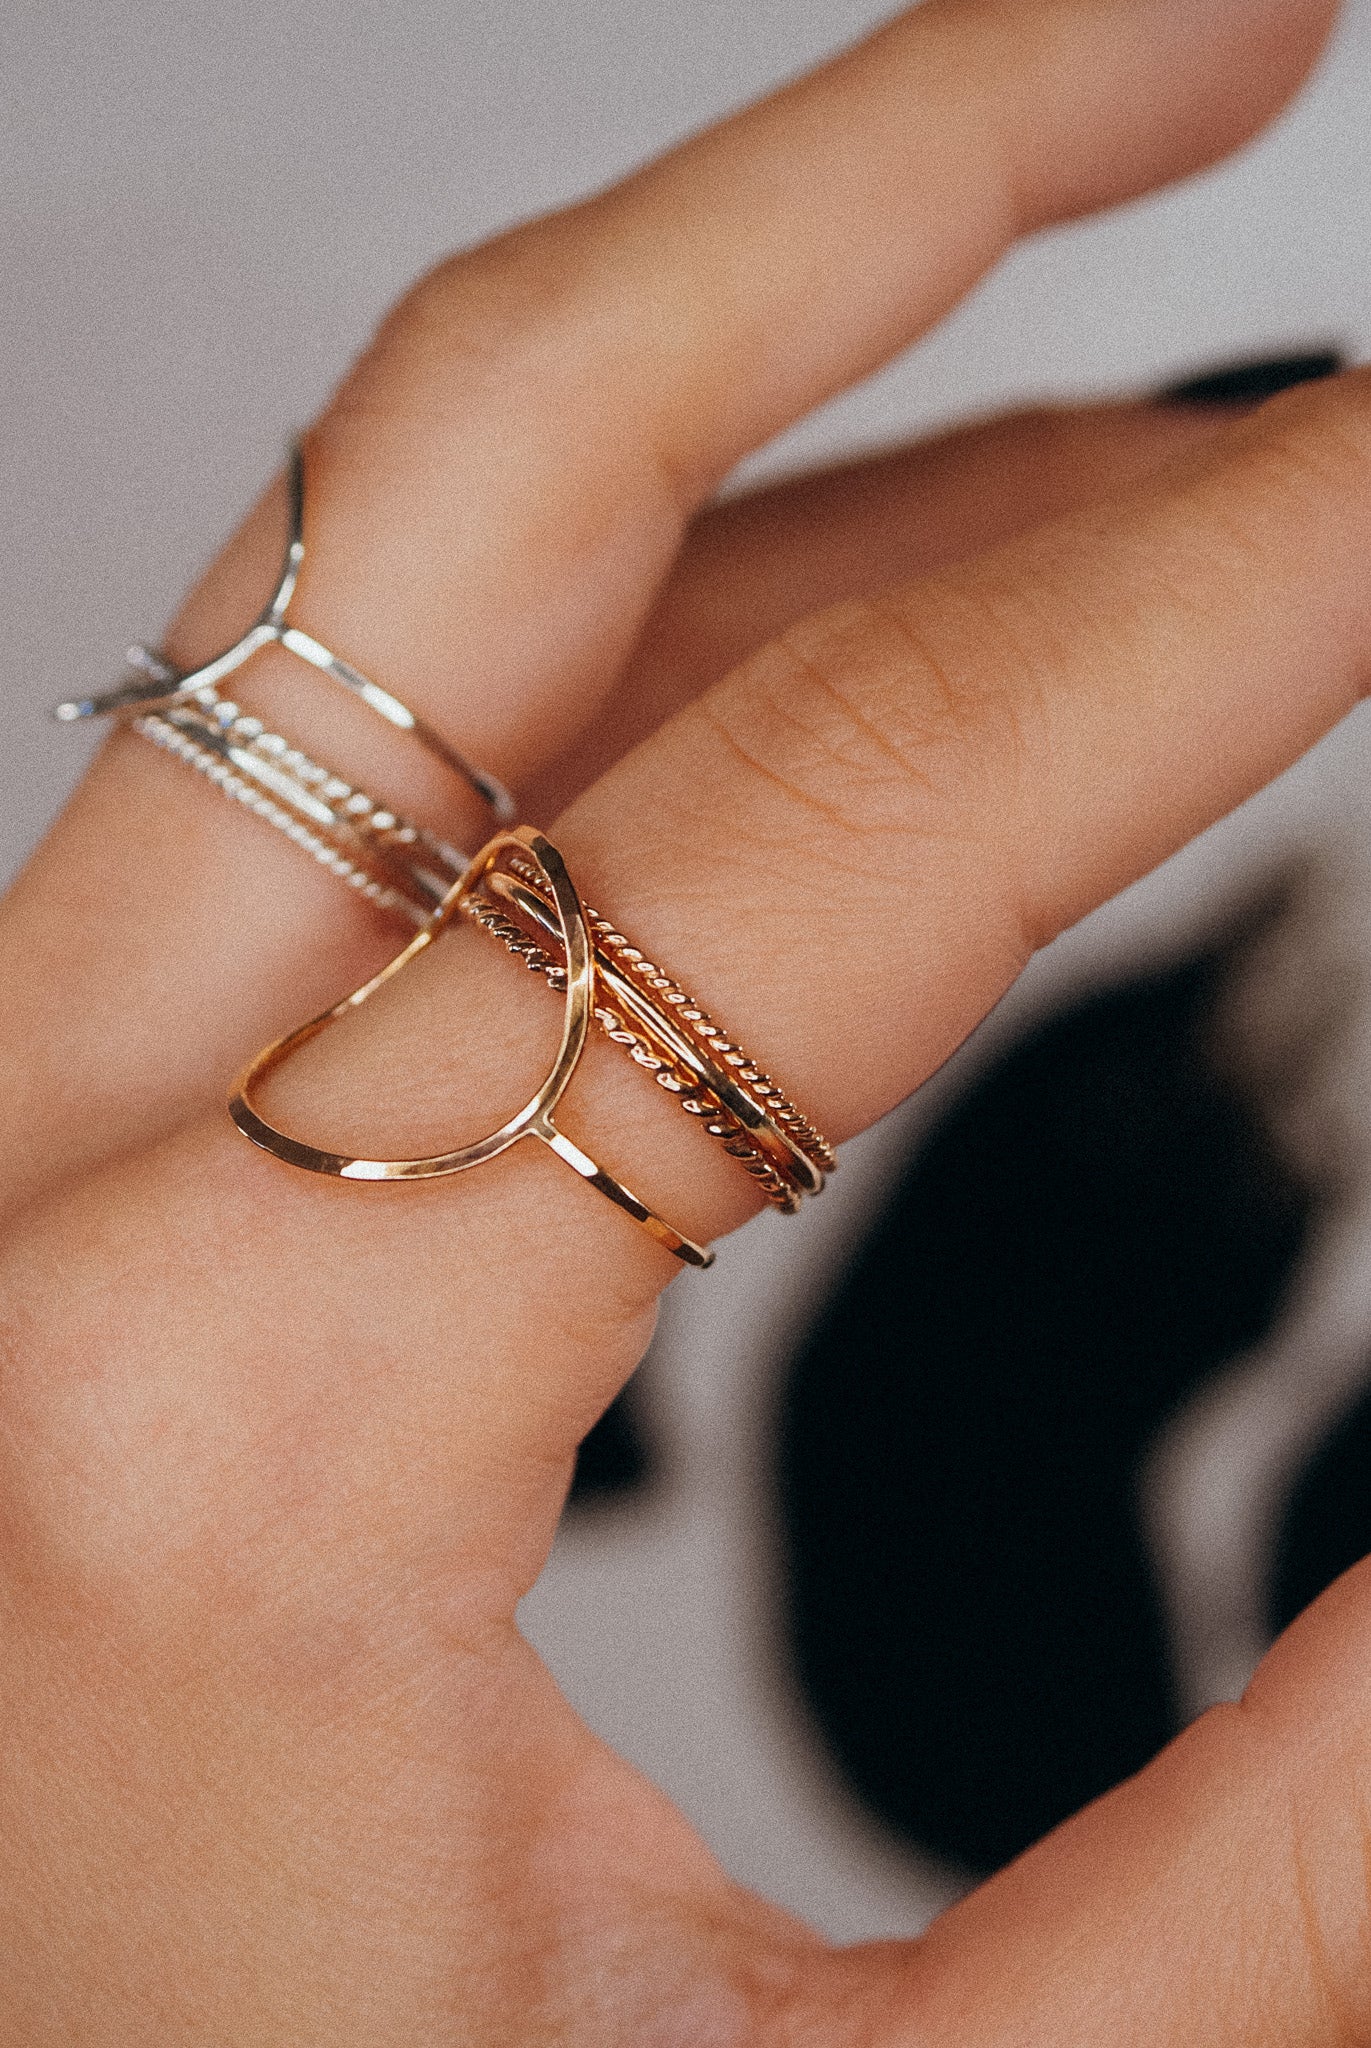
(516, 888)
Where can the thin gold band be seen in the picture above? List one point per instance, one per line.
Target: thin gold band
(759, 1123)
(646, 1051)
(534, 1120)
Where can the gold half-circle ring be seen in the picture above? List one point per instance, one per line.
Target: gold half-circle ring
(534, 1120)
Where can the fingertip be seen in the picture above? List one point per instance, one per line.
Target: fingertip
(1178, 86)
(1251, 380)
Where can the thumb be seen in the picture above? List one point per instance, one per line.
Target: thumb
(1220, 1896)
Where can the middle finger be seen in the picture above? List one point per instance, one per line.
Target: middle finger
(754, 565)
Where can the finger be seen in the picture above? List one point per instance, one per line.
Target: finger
(981, 757)
(752, 566)
(479, 550)
(880, 188)
(850, 846)
(1219, 1896)
(1031, 111)
(847, 850)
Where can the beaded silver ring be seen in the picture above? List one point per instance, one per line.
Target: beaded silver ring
(160, 685)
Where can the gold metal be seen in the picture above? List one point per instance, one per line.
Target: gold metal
(646, 1051)
(161, 684)
(535, 1119)
(772, 1130)
(723, 1056)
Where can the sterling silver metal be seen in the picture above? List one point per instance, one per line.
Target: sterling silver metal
(396, 864)
(161, 685)
(213, 762)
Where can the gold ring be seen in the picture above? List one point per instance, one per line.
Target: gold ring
(534, 1120)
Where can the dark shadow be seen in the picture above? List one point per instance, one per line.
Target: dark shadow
(1327, 1524)
(1097, 1226)
(613, 1460)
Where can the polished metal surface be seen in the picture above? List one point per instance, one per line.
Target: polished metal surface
(534, 1120)
(160, 685)
(398, 865)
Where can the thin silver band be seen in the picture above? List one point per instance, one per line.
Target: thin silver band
(161, 685)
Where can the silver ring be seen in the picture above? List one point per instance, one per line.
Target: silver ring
(162, 685)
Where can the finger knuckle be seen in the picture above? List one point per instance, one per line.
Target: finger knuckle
(483, 306)
(868, 723)
(1315, 1863)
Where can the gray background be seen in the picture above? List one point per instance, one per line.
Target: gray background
(204, 212)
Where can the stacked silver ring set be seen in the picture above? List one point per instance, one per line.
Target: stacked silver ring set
(395, 864)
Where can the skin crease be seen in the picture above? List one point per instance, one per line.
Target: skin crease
(278, 1456)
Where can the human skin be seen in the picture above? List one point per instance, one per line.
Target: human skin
(278, 1456)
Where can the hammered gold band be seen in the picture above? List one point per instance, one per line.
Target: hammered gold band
(666, 1031)
(534, 1120)
(158, 685)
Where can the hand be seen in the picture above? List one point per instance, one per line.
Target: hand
(279, 1456)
